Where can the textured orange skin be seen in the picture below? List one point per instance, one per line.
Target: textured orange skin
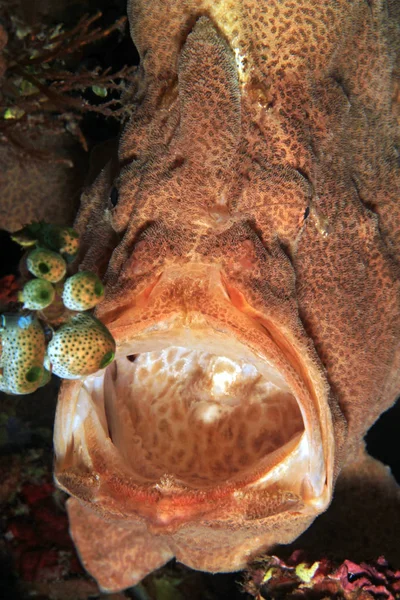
(284, 175)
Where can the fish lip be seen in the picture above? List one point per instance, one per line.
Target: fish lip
(166, 507)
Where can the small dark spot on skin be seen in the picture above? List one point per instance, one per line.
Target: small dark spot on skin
(339, 81)
(178, 162)
(114, 195)
(306, 212)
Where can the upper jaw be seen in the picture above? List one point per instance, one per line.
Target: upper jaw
(295, 476)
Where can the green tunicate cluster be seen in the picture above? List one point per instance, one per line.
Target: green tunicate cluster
(45, 378)
(81, 347)
(38, 294)
(46, 264)
(23, 348)
(63, 240)
(82, 291)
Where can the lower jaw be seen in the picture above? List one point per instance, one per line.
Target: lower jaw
(295, 478)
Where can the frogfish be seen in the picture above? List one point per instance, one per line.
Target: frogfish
(248, 234)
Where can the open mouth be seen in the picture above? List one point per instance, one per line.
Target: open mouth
(197, 405)
(200, 418)
(176, 414)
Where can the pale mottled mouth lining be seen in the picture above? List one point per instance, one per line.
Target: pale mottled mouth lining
(198, 418)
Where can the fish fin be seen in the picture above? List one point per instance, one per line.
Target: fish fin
(117, 554)
(362, 522)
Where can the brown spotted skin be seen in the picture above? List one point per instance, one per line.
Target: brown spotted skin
(264, 141)
(34, 188)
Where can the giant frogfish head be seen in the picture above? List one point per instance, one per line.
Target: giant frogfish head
(251, 295)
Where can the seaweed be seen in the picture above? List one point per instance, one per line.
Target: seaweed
(46, 88)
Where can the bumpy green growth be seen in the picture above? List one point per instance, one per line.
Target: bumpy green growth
(46, 362)
(82, 291)
(63, 240)
(45, 378)
(80, 347)
(70, 243)
(46, 264)
(37, 294)
(23, 239)
(23, 354)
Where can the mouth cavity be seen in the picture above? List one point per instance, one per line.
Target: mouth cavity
(198, 417)
(193, 414)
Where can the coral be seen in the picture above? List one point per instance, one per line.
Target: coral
(9, 288)
(297, 579)
(37, 534)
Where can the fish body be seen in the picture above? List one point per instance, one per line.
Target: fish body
(248, 236)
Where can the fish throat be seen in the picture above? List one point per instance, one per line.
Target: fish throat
(196, 416)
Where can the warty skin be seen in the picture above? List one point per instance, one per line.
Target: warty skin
(257, 220)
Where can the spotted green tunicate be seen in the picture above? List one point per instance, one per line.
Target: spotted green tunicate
(37, 294)
(82, 291)
(3, 387)
(45, 378)
(64, 240)
(23, 354)
(46, 362)
(23, 239)
(46, 264)
(69, 242)
(80, 347)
